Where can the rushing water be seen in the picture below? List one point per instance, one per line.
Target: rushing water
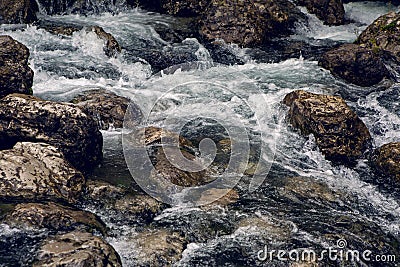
(365, 212)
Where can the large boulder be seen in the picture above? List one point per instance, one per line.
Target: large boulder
(355, 64)
(77, 249)
(38, 171)
(15, 74)
(52, 216)
(65, 126)
(247, 23)
(331, 12)
(18, 11)
(386, 159)
(383, 34)
(108, 108)
(340, 134)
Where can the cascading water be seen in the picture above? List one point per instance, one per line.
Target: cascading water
(65, 66)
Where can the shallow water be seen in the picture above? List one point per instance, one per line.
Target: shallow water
(244, 96)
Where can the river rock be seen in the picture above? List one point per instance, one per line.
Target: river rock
(77, 249)
(340, 134)
(188, 8)
(67, 127)
(111, 46)
(159, 247)
(355, 64)
(383, 34)
(52, 216)
(106, 107)
(247, 23)
(128, 206)
(387, 160)
(38, 171)
(331, 12)
(15, 74)
(18, 11)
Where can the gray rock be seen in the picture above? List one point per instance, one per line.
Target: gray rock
(37, 171)
(340, 134)
(65, 126)
(77, 249)
(15, 74)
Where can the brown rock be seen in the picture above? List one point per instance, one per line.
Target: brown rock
(159, 247)
(37, 171)
(106, 107)
(76, 249)
(247, 23)
(331, 12)
(387, 160)
(355, 64)
(340, 135)
(18, 11)
(15, 74)
(52, 216)
(27, 118)
(383, 34)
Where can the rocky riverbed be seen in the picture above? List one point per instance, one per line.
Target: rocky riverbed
(199, 133)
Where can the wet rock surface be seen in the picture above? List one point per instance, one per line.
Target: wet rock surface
(52, 216)
(15, 74)
(331, 12)
(106, 107)
(383, 34)
(247, 23)
(77, 249)
(340, 135)
(159, 247)
(387, 161)
(187, 8)
(355, 64)
(18, 11)
(37, 171)
(126, 206)
(27, 118)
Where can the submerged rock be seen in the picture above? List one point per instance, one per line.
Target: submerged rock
(247, 23)
(52, 216)
(15, 74)
(37, 171)
(106, 107)
(127, 206)
(159, 247)
(18, 11)
(383, 34)
(355, 64)
(331, 12)
(340, 134)
(77, 249)
(67, 127)
(387, 160)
